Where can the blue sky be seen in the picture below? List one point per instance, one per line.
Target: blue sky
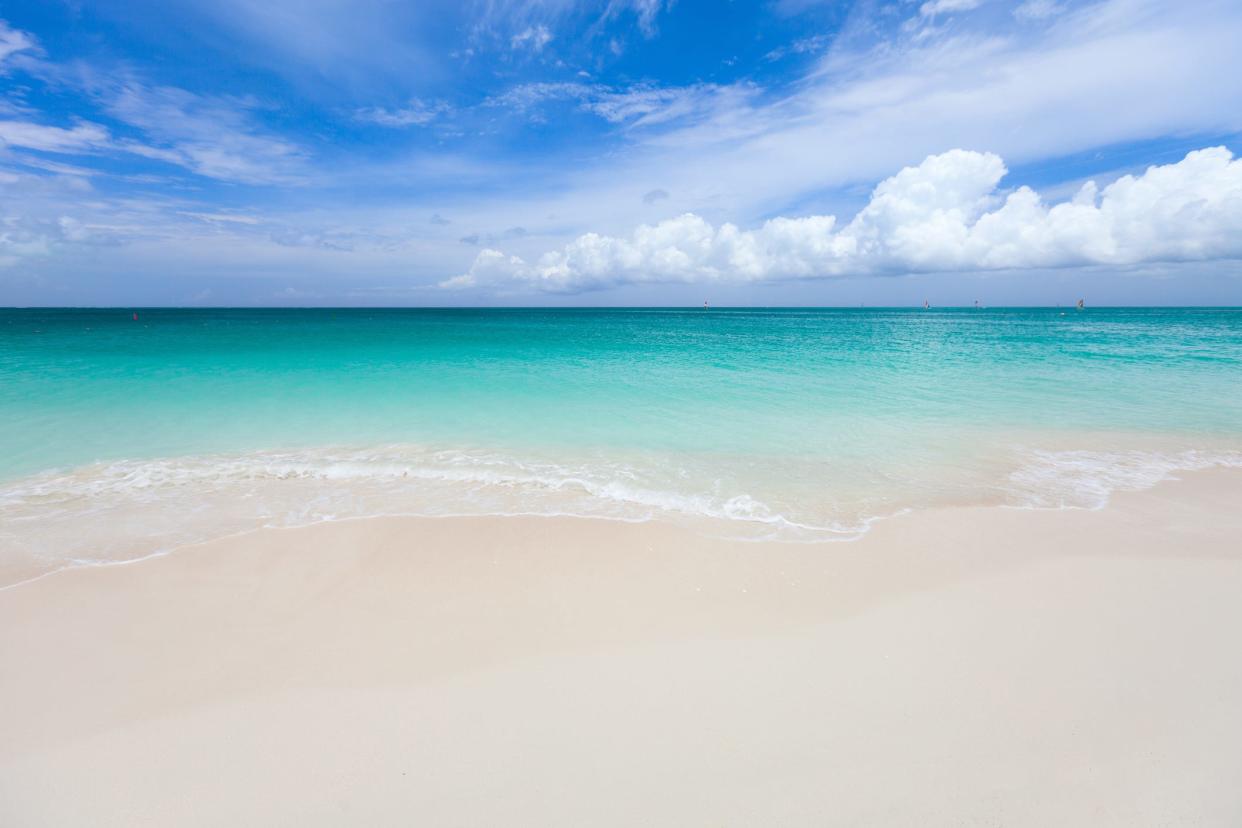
(619, 152)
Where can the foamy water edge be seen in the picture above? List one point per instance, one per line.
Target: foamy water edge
(1071, 479)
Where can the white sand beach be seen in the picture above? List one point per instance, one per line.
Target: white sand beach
(958, 667)
(621, 414)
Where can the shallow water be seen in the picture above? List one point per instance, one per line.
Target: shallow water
(121, 438)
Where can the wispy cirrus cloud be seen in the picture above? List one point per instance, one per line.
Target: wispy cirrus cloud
(13, 41)
(646, 12)
(321, 47)
(211, 136)
(931, 8)
(640, 105)
(802, 46)
(81, 137)
(551, 32)
(215, 137)
(533, 38)
(517, 16)
(414, 113)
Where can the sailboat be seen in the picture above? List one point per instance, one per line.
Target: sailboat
(926, 304)
(1080, 306)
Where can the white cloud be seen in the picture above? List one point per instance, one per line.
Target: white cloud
(529, 95)
(24, 237)
(532, 37)
(38, 163)
(648, 106)
(934, 7)
(532, 23)
(640, 105)
(82, 137)
(1084, 80)
(1028, 93)
(801, 46)
(13, 41)
(946, 214)
(216, 137)
(211, 136)
(20, 241)
(646, 11)
(416, 113)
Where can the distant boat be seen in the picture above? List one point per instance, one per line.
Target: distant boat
(926, 304)
(704, 304)
(1080, 307)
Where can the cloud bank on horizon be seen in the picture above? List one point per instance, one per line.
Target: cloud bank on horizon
(946, 214)
(618, 151)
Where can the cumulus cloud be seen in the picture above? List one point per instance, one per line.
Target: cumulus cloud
(946, 214)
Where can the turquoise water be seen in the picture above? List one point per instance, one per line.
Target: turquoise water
(122, 437)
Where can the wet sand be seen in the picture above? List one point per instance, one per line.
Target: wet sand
(960, 667)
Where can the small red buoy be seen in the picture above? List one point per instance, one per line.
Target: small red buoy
(135, 317)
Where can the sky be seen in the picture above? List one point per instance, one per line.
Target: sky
(619, 152)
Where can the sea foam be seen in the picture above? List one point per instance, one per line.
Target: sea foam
(122, 510)
(1086, 479)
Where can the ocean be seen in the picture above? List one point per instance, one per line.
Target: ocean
(125, 437)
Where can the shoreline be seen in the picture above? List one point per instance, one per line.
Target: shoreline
(1154, 468)
(981, 663)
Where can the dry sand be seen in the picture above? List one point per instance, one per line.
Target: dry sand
(961, 667)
